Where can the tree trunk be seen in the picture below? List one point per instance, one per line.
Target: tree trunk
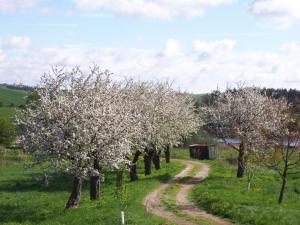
(241, 161)
(156, 160)
(283, 184)
(74, 198)
(167, 153)
(133, 172)
(148, 162)
(95, 182)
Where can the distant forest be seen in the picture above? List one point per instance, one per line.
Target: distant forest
(20, 87)
(292, 96)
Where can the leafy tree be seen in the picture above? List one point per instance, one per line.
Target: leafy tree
(7, 132)
(33, 96)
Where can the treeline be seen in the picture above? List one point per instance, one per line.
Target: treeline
(291, 95)
(20, 87)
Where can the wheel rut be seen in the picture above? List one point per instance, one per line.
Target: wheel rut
(152, 201)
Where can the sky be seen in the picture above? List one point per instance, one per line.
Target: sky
(199, 45)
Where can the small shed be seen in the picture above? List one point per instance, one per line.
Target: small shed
(203, 151)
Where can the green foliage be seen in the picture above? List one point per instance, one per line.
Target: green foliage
(25, 200)
(180, 153)
(121, 188)
(7, 133)
(225, 195)
(33, 96)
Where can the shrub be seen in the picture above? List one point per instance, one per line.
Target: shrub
(7, 132)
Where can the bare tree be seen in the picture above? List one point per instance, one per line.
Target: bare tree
(284, 156)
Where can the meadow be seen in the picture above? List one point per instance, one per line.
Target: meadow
(227, 196)
(10, 99)
(26, 200)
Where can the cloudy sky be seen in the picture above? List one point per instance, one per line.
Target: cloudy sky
(198, 44)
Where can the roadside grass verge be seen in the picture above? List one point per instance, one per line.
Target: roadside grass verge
(26, 200)
(225, 195)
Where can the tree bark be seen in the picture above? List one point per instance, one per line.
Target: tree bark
(95, 182)
(74, 198)
(283, 184)
(156, 160)
(241, 161)
(133, 171)
(167, 153)
(148, 162)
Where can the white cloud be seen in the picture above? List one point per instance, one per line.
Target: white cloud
(282, 12)
(162, 9)
(2, 56)
(172, 48)
(15, 42)
(222, 46)
(192, 71)
(12, 5)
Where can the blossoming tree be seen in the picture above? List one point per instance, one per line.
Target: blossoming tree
(246, 114)
(167, 116)
(80, 124)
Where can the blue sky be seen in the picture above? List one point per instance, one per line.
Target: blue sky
(199, 44)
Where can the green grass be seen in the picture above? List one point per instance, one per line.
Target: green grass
(7, 113)
(180, 153)
(24, 199)
(10, 96)
(225, 195)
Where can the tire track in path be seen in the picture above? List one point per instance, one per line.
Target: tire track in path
(152, 201)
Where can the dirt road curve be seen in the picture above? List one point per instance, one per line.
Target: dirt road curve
(153, 204)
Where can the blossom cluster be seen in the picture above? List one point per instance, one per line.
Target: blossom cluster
(81, 117)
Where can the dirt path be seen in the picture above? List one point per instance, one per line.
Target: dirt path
(153, 204)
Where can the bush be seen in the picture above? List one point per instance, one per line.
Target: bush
(7, 132)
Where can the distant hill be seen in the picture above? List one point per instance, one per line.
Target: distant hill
(11, 98)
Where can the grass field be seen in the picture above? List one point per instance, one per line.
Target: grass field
(8, 97)
(225, 195)
(7, 113)
(24, 199)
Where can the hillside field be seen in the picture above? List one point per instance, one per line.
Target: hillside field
(10, 99)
